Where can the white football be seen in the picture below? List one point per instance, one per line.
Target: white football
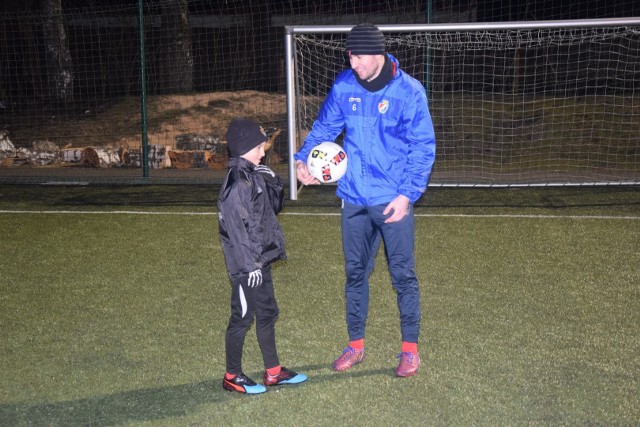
(327, 162)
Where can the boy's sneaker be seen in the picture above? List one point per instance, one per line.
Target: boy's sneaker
(350, 356)
(285, 376)
(409, 364)
(243, 384)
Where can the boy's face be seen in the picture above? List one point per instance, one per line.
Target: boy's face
(255, 154)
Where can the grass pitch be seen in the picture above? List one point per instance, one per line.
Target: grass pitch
(114, 303)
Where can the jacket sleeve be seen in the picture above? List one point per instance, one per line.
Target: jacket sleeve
(275, 191)
(328, 126)
(240, 254)
(422, 147)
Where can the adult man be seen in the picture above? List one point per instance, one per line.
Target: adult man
(390, 143)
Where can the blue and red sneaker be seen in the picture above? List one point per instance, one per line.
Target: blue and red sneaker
(242, 384)
(285, 376)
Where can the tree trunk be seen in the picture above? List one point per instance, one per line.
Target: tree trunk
(58, 57)
(176, 59)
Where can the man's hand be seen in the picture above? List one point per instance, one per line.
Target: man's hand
(398, 208)
(254, 279)
(302, 172)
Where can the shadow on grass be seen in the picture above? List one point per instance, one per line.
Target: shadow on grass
(627, 197)
(205, 196)
(147, 404)
(62, 197)
(547, 198)
(114, 409)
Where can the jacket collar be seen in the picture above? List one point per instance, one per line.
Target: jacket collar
(241, 163)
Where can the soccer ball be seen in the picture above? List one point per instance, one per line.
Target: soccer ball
(327, 162)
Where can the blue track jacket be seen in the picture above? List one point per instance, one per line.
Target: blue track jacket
(389, 138)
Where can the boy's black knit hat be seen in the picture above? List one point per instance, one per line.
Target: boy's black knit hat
(243, 135)
(365, 39)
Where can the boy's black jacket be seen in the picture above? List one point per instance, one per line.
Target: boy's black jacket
(249, 231)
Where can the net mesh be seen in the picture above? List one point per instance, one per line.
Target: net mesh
(525, 107)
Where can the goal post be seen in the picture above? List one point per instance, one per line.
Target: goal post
(546, 103)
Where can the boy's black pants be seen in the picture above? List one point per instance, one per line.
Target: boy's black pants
(246, 304)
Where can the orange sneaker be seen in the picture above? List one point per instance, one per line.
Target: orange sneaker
(350, 356)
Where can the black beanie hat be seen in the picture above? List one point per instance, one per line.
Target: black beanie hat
(365, 39)
(243, 135)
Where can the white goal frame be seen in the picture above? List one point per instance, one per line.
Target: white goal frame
(291, 71)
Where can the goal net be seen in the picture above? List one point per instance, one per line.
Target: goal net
(519, 104)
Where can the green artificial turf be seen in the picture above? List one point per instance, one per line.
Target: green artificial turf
(530, 312)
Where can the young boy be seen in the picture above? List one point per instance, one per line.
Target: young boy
(250, 198)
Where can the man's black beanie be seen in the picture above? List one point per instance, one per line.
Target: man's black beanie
(365, 39)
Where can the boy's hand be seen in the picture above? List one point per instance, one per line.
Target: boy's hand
(254, 279)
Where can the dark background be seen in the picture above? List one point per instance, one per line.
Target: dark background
(487, 11)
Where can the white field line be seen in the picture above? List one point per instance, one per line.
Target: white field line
(67, 212)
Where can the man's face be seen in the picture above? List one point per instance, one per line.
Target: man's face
(255, 154)
(367, 67)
